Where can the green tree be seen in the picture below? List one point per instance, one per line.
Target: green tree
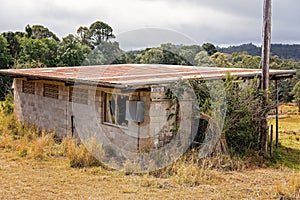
(100, 32)
(296, 93)
(84, 35)
(105, 53)
(152, 56)
(252, 62)
(158, 55)
(123, 59)
(33, 53)
(209, 48)
(51, 55)
(97, 33)
(169, 47)
(220, 60)
(13, 43)
(40, 32)
(202, 59)
(5, 57)
(71, 52)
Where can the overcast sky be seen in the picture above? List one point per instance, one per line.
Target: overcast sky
(140, 23)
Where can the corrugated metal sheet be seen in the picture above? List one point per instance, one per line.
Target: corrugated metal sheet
(136, 74)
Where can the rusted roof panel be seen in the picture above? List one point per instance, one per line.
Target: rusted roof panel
(135, 74)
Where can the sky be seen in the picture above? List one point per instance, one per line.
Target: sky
(141, 23)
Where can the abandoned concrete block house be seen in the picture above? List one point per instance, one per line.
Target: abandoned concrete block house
(125, 102)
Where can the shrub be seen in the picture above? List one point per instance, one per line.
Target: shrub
(7, 106)
(238, 101)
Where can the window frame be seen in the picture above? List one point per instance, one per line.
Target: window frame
(116, 110)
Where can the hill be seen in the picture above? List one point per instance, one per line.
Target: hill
(284, 51)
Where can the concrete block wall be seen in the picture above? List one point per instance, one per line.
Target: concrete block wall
(55, 114)
(44, 113)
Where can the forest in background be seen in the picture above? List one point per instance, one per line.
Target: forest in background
(283, 51)
(37, 46)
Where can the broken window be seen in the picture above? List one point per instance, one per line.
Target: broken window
(115, 109)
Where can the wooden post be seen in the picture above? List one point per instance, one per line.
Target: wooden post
(72, 126)
(266, 45)
(277, 118)
(271, 141)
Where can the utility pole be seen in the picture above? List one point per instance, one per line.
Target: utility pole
(266, 46)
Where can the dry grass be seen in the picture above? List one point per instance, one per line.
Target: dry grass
(34, 166)
(290, 189)
(52, 178)
(289, 108)
(78, 154)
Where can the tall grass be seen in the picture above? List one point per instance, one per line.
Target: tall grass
(289, 189)
(79, 155)
(30, 142)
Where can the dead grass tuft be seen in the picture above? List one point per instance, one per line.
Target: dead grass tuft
(289, 189)
(78, 154)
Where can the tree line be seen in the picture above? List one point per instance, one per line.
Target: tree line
(37, 46)
(283, 51)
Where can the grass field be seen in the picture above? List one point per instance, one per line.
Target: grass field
(34, 166)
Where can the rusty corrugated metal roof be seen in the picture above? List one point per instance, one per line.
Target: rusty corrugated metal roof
(136, 74)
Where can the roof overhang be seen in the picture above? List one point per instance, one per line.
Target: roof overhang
(137, 75)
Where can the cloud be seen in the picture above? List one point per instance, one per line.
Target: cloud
(216, 21)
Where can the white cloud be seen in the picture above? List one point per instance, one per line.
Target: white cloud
(220, 22)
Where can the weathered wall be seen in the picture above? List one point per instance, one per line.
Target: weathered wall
(45, 113)
(55, 114)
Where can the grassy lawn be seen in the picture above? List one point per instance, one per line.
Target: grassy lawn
(288, 153)
(36, 167)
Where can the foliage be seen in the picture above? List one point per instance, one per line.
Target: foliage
(5, 86)
(296, 93)
(283, 51)
(13, 43)
(158, 55)
(40, 32)
(209, 48)
(249, 48)
(33, 50)
(71, 52)
(243, 115)
(220, 60)
(104, 53)
(97, 33)
(202, 59)
(244, 60)
(8, 105)
(38, 46)
(240, 105)
(5, 57)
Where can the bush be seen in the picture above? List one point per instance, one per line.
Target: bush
(238, 101)
(7, 106)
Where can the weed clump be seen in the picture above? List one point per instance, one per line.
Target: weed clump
(79, 156)
(289, 189)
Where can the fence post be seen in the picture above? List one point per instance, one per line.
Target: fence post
(271, 141)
